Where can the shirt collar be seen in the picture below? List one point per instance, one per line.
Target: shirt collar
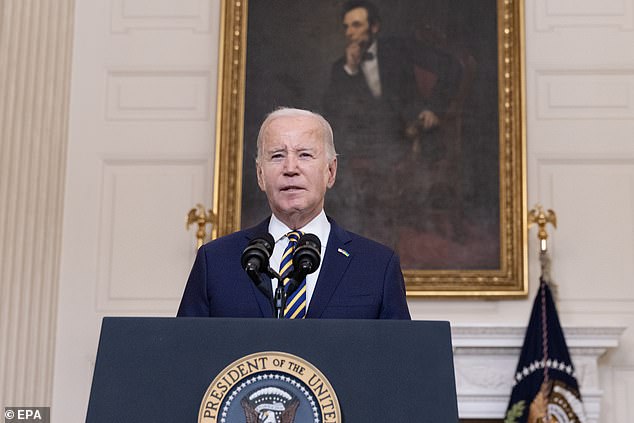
(373, 48)
(319, 226)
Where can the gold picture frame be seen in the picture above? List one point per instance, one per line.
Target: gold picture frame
(508, 279)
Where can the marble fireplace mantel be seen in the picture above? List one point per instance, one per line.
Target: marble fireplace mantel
(485, 358)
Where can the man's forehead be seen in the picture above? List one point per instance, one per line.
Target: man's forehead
(287, 142)
(356, 14)
(284, 130)
(293, 121)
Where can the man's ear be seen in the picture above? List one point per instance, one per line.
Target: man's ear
(375, 28)
(332, 169)
(258, 171)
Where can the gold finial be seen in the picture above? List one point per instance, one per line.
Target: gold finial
(541, 218)
(202, 217)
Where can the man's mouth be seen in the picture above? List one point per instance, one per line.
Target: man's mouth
(291, 188)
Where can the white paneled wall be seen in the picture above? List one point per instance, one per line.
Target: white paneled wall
(580, 109)
(140, 155)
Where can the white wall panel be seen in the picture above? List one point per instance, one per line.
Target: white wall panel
(594, 240)
(193, 15)
(158, 95)
(140, 247)
(585, 94)
(554, 14)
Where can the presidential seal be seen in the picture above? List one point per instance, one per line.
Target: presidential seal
(270, 387)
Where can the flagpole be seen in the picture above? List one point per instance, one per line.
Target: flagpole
(541, 218)
(545, 387)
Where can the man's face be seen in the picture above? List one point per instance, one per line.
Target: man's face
(357, 28)
(293, 169)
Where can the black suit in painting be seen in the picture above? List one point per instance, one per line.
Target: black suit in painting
(370, 132)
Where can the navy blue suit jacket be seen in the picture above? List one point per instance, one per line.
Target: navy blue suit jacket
(366, 284)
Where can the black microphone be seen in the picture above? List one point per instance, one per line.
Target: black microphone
(306, 259)
(255, 260)
(256, 256)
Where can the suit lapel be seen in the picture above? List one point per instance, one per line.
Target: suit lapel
(265, 303)
(333, 267)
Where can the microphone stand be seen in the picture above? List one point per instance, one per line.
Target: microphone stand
(282, 293)
(279, 297)
(279, 301)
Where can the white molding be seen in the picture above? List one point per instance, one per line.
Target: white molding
(140, 94)
(485, 357)
(587, 92)
(162, 15)
(553, 15)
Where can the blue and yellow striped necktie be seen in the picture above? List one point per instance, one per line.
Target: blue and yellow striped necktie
(296, 303)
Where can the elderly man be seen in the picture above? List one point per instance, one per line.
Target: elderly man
(357, 278)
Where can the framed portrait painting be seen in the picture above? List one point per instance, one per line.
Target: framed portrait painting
(428, 121)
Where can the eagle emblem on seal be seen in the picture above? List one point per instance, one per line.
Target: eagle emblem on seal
(269, 405)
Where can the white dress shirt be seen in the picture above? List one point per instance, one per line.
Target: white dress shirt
(319, 226)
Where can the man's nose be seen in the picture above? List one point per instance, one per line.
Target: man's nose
(290, 164)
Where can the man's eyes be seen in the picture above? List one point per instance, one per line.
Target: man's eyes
(282, 156)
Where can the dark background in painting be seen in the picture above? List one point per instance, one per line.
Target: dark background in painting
(291, 46)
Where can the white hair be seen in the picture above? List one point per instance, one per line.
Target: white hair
(326, 129)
